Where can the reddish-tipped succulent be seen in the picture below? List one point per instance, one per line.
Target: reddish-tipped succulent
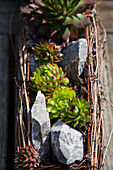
(27, 158)
(48, 77)
(62, 16)
(76, 112)
(46, 53)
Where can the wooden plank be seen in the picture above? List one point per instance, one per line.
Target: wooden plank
(105, 11)
(13, 102)
(106, 16)
(9, 27)
(4, 59)
(9, 17)
(108, 109)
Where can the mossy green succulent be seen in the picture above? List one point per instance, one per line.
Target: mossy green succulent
(59, 98)
(46, 53)
(63, 16)
(27, 158)
(48, 77)
(76, 112)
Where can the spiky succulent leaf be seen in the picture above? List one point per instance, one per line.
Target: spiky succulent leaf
(27, 158)
(69, 13)
(56, 103)
(76, 112)
(46, 53)
(48, 77)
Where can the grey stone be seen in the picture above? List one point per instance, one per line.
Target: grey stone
(67, 143)
(74, 59)
(41, 126)
(33, 64)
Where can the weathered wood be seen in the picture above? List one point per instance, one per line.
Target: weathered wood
(4, 59)
(9, 30)
(106, 15)
(108, 109)
(106, 12)
(9, 17)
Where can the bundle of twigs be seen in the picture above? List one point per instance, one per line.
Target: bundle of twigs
(93, 160)
(96, 36)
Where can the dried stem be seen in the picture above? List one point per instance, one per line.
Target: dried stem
(26, 97)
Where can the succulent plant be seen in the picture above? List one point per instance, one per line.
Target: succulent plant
(27, 158)
(63, 16)
(48, 77)
(76, 112)
(59, 98)
(46, 52)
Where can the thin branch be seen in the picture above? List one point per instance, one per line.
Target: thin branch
(107, 147)
(26, 98)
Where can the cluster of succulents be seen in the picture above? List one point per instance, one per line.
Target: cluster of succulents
(48, 77)
(63, 17)
(46, 53)
(76, 112)
(72, 110)
(27, 158)
(59, 97)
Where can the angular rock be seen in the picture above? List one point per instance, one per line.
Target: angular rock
(67, 143)
(74, 58)
(41, 126)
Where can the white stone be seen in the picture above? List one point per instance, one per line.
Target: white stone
(67, 143)
(40, 126)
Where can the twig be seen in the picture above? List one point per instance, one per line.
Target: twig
(107, 147)
(26, 98)
(105, 98)
(17, 83)
(20, 118)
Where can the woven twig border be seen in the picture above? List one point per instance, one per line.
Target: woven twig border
(95, 59)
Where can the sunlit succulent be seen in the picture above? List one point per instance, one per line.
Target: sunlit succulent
(27, 158)
(46, 53)
(76, 112)
(48, 77)
(63, 16)
(56, 103)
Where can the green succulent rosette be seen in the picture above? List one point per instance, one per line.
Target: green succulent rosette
(56, 104)
(76, 112)
(46, 53)
(47, 78)
(62, 16)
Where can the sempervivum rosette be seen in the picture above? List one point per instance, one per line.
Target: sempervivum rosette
(59, 98)
(76, 112)
(61, 16)
(48, 77)
(27, 158)
(46, 52)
